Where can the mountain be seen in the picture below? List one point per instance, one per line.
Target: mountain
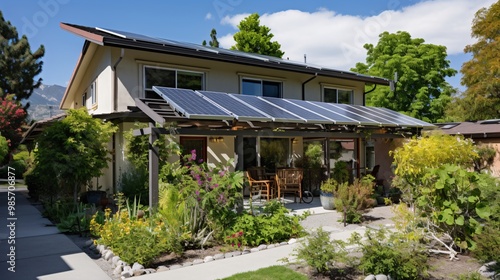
(44, 102)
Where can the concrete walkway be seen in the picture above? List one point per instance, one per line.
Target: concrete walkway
(39, 251)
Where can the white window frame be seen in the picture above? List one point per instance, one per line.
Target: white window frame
(176, 70)
(84, 99)
(261, 80)
(93, 93)
(337, 93)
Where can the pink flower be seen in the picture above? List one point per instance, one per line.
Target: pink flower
(193, 155)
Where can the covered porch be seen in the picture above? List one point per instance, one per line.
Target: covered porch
(349, 133)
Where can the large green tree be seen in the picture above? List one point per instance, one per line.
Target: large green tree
(481, 74)
(74, 149)
(18, 65)
(255, 38)
(213, 39)
(421, 90)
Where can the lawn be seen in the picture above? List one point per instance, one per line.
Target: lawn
(269, 273)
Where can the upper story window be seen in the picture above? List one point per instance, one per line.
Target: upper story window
(335, 95)
(258, 87)
(93, 93)
(154, 76)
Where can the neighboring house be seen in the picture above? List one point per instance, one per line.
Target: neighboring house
(485, 132)
(116, 72)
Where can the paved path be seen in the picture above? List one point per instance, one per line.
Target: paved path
(40, 251)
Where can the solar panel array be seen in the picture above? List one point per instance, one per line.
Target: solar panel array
(225, 106)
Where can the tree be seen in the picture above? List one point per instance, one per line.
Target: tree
(421, 90)
(18, 65)
(481, 74)
(74, 149)
(255, 38)
(12, 118)
(213, 42)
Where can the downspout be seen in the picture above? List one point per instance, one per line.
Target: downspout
(115, 108)
(304, 85)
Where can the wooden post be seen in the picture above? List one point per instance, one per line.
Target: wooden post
(239, 152)
(153, 168)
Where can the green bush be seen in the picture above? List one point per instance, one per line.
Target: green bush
(40, 185)
(275, 224)
(321, 253)
(488, 243)
(353, 199)
(390, 254)
(134, 184)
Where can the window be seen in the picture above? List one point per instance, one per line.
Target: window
(154, 76)
(333, 95)
(93, 94)
(261, 88)
(199, 144)
(84, 99)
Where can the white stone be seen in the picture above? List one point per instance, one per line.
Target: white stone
(138, 272)
(284, 243)
(108, 255)
(228, 255)
(271, 246)
(208, 259)
(246, 251)
(197, 261)
(485, 270)
(162, 268)
(236, 253)
(381, 277)
(370, 277)
(262, 247)
(115, 260)
(121, 263)
(137, 266)
(291, 241)
(127, 268)
(175, 266)
(254, 250)
(150, 270)
(127, 274)
(218, 256)
(118, 270)
(186, 264)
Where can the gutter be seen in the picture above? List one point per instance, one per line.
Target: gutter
(304, 85)
(366, 92)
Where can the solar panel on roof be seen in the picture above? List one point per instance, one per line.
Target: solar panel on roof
(361, 111)
(279, 114)
(191, 104)
(242, 54)
(241, 110)
(394, 118)
(309, 115)
(345, 111)
(130, 35)
(404, 119)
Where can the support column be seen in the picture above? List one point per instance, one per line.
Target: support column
(327, 156)
(153, 168)
(239, 152)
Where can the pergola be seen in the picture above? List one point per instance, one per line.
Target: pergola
(213, 113)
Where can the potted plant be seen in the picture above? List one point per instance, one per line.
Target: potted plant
(328, 188)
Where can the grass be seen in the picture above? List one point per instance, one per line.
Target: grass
(269, 273)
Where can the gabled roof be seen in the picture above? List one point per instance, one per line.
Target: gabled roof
(479, 129)
(123, 39)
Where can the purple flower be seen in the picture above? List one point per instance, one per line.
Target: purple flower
(193, 155)
(209, 179)
(200, 160)
(221, 173)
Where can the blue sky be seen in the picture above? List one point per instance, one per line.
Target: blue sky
(331, 33)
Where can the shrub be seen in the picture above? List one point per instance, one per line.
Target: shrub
(134, 184)
(488, 243)
(390, 254)
(321, 253)
(274, 225)
(353, 199)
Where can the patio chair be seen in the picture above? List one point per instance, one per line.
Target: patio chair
(259, 184)
(374, 173)
(289, 180)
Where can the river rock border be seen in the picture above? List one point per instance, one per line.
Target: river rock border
(125, 270)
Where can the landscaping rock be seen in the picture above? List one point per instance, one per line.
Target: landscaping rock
(175, 266)
(246, 251)
(262, 247)
(108, 255)
(236, 253)
(137, 266)
(254, 250)
(485, 270)
(127, 274)
(218, 256)
(283, 243)
(118, 270)
(208, 259)
(381, 277)
(150, 270)
(270, 246)
(138, 272)
(291, 241)
(186, 264)
(162, 268)
(370, 277)
(127, 268)
(228, 255)
(114, 260)
(197, 261)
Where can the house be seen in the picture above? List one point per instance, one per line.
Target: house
(485, 132)
(229, 104)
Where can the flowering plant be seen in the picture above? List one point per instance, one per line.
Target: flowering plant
(235, 239)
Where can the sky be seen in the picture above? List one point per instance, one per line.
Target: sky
(330, 33)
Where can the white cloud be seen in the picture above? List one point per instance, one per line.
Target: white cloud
(208, 16)
(336, 40)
